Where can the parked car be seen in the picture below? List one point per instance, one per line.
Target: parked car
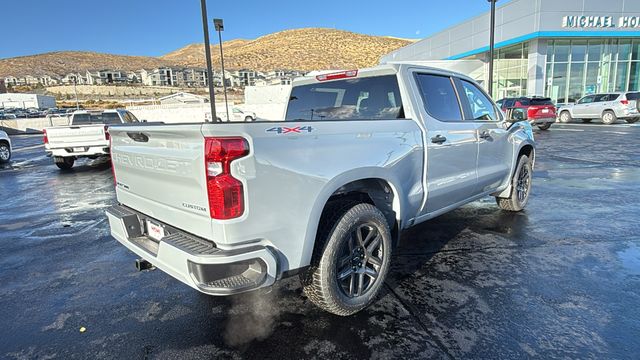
(5, 147)
(86, 136)
(609, 107)
(231, 207)
(540, 110)
(236, 114)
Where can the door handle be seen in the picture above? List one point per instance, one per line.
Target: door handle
(485, 135)
(438, 139)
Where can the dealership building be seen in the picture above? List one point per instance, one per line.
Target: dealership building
(563, 49)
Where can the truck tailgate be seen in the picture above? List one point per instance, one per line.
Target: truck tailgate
(159, 171)
(69, 136)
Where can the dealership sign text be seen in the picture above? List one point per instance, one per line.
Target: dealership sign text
(583, 21)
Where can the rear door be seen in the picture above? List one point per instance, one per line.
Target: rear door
(494, 148)
(451, 143)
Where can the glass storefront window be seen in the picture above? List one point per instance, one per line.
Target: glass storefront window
(561, 50)
(609, 65)
(510, 71)
(578, 50)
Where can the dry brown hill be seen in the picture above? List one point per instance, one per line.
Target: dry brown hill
(64, 62)
(299, 49)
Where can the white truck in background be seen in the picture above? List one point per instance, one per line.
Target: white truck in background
(86, 135)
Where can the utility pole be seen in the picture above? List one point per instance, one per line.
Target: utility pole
(492, 44)
(75, 91)
(219, 28)
(207, 52)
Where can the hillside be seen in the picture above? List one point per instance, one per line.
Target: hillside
(63, 62)
(299, 49)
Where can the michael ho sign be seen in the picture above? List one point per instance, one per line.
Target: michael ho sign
(584, 21)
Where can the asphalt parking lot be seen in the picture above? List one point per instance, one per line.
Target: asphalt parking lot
(561, 279)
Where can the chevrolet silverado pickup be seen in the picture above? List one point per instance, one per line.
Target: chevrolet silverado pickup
(86, 136)
(324, 193)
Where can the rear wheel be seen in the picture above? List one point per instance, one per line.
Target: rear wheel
(520, 187)
(565, 117)
(544, 126)
(632, 120)
(64, 163)
(350, 266)
(609, 117)
(5, 152)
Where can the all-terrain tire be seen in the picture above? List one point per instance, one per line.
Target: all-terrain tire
(64, 163)
(609, 117)
(515, 202)
(338, 223)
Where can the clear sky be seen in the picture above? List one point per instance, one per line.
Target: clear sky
(155, 27)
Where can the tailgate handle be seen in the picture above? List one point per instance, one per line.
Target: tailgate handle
(138, 136)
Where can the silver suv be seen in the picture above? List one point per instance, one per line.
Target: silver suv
(609, 107)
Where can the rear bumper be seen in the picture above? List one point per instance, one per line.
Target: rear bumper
(79, 151)
(542, 120)
(195, 261)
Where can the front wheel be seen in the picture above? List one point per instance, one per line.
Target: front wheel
(248, 119)
(5, 152)
(520, 187)
(609, 117)
(565, 117)
(352, 260)
(544, 126)
(64, 163)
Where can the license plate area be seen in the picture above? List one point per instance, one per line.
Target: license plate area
(78, 149)
(545, 110)
(155, 231)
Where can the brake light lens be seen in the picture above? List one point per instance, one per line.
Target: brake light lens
(337, 75)
(113, 168)
(107, 136)
(44, 137)
(225, 193)
(624, 102)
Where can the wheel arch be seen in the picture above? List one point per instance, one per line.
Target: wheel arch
(377, 188)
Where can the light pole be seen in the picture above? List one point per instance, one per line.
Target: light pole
(75, 91)
(219, 25)
(207, 52)
(492, 44)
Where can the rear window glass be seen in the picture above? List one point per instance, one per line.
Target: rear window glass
(100, 118)
(353, 99)
(440, 98)
(633, 96)
(535, 101)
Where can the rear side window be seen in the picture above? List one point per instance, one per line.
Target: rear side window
(439, 96)
(633, 96)
(353, 99)
(481, 108)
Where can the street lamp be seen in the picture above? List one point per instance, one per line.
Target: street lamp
(491, 44)
(219, 25)
(207, 52)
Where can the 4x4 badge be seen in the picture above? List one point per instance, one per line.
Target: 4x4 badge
(290, 130)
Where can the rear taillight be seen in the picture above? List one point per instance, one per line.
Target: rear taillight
(113, 168)
(226, 193)
(106, 133)
(531, 111)
(44, 137)
(624, 102)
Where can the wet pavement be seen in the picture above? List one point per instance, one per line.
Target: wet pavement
(561, 279)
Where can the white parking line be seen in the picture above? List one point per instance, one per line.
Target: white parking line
(28, 147)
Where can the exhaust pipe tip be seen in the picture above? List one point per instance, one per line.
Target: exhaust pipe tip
(142, 264)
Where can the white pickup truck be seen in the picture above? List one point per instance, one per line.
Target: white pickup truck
(86, 136)
(324, 193)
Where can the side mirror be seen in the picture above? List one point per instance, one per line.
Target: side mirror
(516, 114)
